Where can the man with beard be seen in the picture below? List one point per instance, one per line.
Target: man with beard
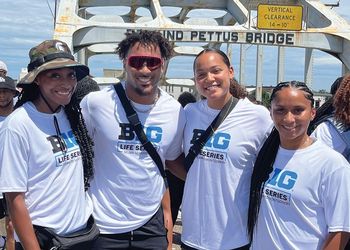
(7, 93)
(128, 188)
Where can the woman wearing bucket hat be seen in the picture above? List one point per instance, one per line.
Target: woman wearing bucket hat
(46, 155)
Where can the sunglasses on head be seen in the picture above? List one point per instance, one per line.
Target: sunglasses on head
(138, 62)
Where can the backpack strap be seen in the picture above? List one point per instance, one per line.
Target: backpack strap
(202, 140)
(138, 128)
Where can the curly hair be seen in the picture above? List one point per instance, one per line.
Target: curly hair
(264, 162)
(341, 102)
(237, 90)
(145, 38)
(31, 92)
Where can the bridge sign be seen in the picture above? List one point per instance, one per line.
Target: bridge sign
(280, 17)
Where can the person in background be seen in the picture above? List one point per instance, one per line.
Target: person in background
(299, 195)
(176, 185)
(215, 203)
(128, 189)
(46, 154)
(7, 93)
(332, 122)
(3, 69)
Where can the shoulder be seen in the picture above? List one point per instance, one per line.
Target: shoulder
(167, 97)
(97, 98)
(167, 101)
(246, 104)
(20, 114)
(327, 155)
(246, 110)
(18, 122)
(325, 132)
(199, 105)
(103, 93)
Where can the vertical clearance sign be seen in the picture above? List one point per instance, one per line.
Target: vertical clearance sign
(280, 17)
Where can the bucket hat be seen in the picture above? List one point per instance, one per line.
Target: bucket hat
(8, 83)
(51, 54)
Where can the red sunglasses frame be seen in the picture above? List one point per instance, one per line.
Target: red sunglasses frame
(145, 59)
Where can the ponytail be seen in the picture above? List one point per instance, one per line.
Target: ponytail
(262, 168)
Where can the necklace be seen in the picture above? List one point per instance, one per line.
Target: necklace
(144, 108)
(59, 137)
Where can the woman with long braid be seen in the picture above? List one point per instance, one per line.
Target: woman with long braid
(46, 156)
(299, 195)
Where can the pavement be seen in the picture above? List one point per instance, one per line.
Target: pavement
(2, 227)
(177, 233)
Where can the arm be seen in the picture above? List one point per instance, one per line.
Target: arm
(336, 240)
(10, 242)
(168, 223)
(21, 221)
(177, 167)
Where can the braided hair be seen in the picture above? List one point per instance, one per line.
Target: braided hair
(145, 38)
(31, 92)
(264, 162)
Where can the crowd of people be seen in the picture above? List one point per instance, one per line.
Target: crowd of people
(84, 168)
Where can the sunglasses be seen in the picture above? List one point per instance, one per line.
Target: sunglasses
(138, 62)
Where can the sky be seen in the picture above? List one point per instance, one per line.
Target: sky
(24, 25)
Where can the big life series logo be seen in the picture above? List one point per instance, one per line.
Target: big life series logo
(215, 149)
(129, 143)
(72, 148)
(280, 186)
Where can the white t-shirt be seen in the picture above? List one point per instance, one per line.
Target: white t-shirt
(215, 202)
(328, 134)
(2, 118)
(127, 187)
(306, 197)
(31, 162)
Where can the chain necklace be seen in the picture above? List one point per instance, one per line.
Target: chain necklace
(139, 107)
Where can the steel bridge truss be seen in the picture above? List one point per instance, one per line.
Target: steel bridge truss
(219, 22)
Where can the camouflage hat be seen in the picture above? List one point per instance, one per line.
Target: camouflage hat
(8, 83)
(51, 54)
